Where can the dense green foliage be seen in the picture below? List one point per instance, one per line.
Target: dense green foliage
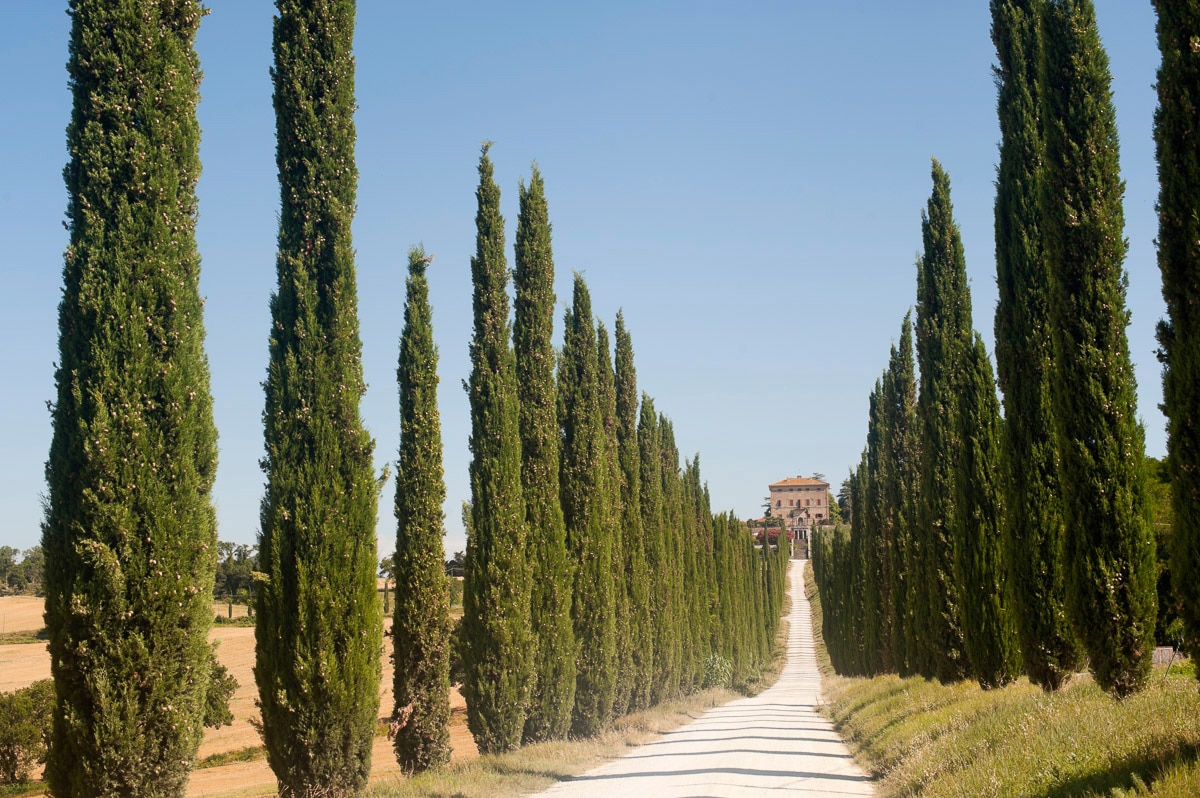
(319, 630)
(25, 721)
(650, 498)
(606, 393)
(584, 482)
(1041, 528)
(496, 598)
(943, 338)
(901, 460)
(1108, 548)
(129, 534)
(1178, 139)
(637, 573)
(919, 583)
(866, 603)
(553, 689)
(672, 522)
(1033, 521)
(421, 625)
(989, 630)
(21, 572)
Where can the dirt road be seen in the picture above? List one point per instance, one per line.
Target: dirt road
(775, 743)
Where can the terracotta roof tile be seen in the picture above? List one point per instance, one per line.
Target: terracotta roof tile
(799, 482)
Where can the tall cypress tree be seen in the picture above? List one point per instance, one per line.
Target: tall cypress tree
(553, 670)
(873, 540)
(1033, 521)
(1108, 547)
(614, 529)
(702, 590)
(496, 589)
(672, 520)
(421, 625)
(1178, 140)
(583, 481)
(943, 337)
(319, 630)
(637, 572)
(989, 630)
(130, 532)
(692, 588)
(657, 559)
(901, 448)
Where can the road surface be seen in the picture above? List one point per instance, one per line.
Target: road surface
(774, 744)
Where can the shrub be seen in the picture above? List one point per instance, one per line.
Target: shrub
(24, 729)
(718, 671)
(216, 702)
(457, 673)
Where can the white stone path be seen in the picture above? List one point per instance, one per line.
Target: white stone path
(773, 744)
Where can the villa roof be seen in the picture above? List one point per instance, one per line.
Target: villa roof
(799, 482)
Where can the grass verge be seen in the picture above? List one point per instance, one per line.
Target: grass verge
(28, 636)
(247, 754)
(22, 788)
(923, 738)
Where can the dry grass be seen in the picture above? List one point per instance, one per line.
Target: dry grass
(922, 738)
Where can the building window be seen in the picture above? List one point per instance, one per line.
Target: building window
(789, 502)
(778, 502)
(807, 502)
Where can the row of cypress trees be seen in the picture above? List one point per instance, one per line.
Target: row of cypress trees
(1028, 543)
(563, 629)
(1177, 144)
(598, 581)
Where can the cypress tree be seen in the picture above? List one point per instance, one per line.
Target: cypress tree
(726, 637)
(849, 581)
(583, 483)
(496, 589)
(902, 450)
(553, 671)
(657, 560)
(319, 630)
(989, 631)
(692, 588)
(421, 625)
(637, 572)
(1108, 547)
(672, 509)
(607, 395)
(876, 583)
(702, 591)
(129, 534)
(1176, 136)
(943, 337)
(1033, 522)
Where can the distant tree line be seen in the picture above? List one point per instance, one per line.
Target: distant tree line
(21, 571)
(985, 546)
(597, 579)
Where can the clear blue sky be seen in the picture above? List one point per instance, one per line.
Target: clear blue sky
(745, 180)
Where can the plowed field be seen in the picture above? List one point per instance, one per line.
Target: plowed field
(25, 663)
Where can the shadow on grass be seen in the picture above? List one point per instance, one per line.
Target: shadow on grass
(1125, 774)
